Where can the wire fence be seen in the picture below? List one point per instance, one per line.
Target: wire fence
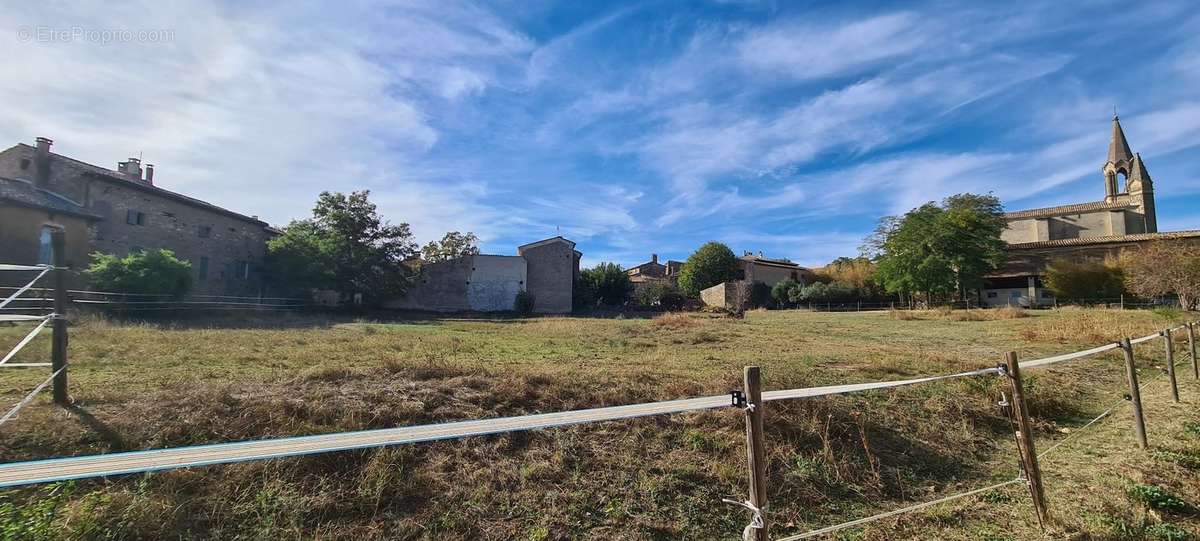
(751, 400)
(42, 299)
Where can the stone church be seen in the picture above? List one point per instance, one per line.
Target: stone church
(1083, 231)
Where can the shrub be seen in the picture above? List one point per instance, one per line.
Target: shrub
(1163, 268)
(710, 265)
(660, 295)
(760, 295)
(524, 303)
(1087, 280)
(782, 292)
(148, 272)
(1156, 497)
(820, 292)
(608, 283)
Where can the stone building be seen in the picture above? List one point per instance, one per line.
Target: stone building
(1096, 230)
(547, 269)
(653, 272)
(125, 212)
(756, 268)
(28, 215)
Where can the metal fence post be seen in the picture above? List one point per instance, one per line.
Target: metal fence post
(1135, 394)
(58, 349)
(1026, 447)
(756, 452)
(1170, 345)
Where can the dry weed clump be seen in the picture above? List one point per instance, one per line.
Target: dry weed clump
(675, 320)
(1092, 326)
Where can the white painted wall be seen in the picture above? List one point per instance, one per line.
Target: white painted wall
(495, 281)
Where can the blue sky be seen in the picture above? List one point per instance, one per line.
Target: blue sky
(782, 127)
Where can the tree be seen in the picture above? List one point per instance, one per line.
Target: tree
(1084, 280)
(345, 246)
(659, 294)
(782, 291)
(608, 283)
(146, 272)
(710, 265)
(1163, 268)
(939, 249)
(857, 272)
(822, 292)
(452, 246)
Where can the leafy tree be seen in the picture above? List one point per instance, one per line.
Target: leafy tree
(1163, 268)
(452, 246)
(608, 282)
(1086, 280)
(523, 304)
(858, 272)
(710, 265)
(939, 249)
(782, 291)
(345, 246)
(660, 294)
(146, 272)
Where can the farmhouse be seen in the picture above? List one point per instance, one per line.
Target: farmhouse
(546, 269)
(122, 211)
(1124, 219)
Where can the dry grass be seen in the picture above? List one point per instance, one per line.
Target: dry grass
(150, 386)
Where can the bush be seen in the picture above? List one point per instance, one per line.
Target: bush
(1087, 280)
(782, 292)
(148, 272)
(820, 292)
(608, 283)
(660, 295)
(712, 264)
(524, 303)
(760, 295)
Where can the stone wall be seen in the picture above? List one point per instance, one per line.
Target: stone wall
(495, 282)
(551, 271)
(1103, 223)
(481, 283)
(734, 295)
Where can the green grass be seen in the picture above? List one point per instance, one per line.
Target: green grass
(159, 385)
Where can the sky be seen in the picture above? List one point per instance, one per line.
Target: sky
(788, 128)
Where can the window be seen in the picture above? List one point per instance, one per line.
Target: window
(24, 163)
(202, 268)
(244, 270)
(1015, 294)
(204, 231)
(992, 294)
(133, 217)
(45, 247)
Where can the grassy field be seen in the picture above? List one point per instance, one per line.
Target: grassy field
(151, 385)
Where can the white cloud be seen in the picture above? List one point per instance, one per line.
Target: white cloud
(804, 50)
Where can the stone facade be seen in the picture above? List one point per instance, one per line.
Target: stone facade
(733, 295)
(756, 268)
(226, 249)
(27, 216)
(553, 269)
(1094, 231)
(546, 269)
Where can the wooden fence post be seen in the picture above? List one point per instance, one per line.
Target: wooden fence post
(1025, 444)
(58, 348)
(1171, 364)
(756, 453)
(1135, 394)
(1192, 346)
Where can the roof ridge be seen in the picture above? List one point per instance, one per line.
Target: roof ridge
(1093, 205)
(1164, 235)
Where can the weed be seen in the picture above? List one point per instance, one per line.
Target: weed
(1189, 460)
(1168, 532)
(1156, 497)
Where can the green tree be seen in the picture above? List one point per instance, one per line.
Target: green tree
(345, 246)
(710, 265)
(939, 250)
(782, 291)
(452, 246)
(1082, 281)
(608, 283)
(146, 272)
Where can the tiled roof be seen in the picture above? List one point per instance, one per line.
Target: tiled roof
(1111, 239)
(1066, 209)
(25, 194)
(769, 262)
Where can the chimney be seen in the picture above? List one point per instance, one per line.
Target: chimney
(654, 258)
(149, 173)
(41, 162)
(760, 256)
(132, 168)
